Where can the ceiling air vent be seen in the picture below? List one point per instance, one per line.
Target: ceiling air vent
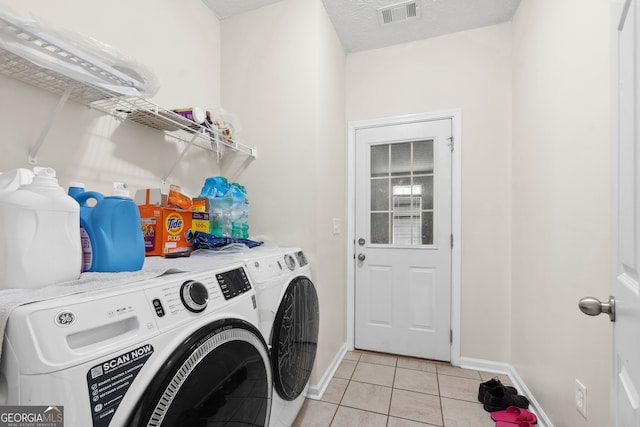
(398, 12)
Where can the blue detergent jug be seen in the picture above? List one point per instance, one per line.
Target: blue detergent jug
(110, 231)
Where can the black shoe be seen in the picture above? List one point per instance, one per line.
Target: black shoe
(493, 383)
(498, 399)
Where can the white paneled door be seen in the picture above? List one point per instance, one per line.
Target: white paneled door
(403, 238)
(626, 211)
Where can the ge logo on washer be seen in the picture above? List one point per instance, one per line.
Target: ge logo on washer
(65, 318)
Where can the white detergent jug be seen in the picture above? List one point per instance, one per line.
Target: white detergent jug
(39, 234)
(13, 179)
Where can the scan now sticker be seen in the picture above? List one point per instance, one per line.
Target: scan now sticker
(31, 416)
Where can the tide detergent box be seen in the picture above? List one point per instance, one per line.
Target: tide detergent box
(165, 229)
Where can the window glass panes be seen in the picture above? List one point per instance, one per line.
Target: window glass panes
(427, 228)
(423, 157)
(406, 219)
(424, 184)
(380, 160)
(401, 186)
(380, 194)
(380, 228)
(402, 193)
(401, 158)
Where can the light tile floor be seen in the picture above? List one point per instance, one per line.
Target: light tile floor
(381, 390)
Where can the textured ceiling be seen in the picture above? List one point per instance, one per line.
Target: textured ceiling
(359, 28)
(226, 8)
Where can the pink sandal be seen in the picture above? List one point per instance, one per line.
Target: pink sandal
(513, 415)
(507, 424)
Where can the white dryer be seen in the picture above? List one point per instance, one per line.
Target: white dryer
(179, 350)
(289, 321)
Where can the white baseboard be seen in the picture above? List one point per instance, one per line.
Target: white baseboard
(316, 391)
(507, 369)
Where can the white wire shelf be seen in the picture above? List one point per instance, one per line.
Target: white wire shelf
(146, 113)
(26, 71)
(124, 107)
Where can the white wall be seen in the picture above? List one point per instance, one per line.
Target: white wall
(178, 42)
(535, 113)
(283, 75)
(280, 70)
(561, 202)
(470, 70)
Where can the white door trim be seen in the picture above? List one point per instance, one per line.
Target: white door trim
(456, 185)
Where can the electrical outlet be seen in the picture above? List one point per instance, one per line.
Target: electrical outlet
(581, 398)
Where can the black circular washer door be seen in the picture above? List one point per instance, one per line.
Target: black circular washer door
(219, 376)
(294, 339)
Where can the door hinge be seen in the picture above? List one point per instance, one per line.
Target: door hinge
(451, 240)
(451, 143)
(451, 336)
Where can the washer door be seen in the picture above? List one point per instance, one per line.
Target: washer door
(219, 376)
(295, 338)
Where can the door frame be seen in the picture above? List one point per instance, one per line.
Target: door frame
(619, 10)
(456, 203)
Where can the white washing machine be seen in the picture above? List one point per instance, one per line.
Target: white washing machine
(183, 349)
(289, 321)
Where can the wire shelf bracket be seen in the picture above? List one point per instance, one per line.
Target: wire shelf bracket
(32, 158)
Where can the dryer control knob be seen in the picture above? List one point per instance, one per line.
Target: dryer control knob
(194, 296)
(290, 262)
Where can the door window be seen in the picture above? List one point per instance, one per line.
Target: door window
(401, 184)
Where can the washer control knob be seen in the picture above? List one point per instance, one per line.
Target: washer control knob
(194, 296)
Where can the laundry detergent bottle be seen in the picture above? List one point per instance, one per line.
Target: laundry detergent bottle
(87, 201)
(111, 235)
(13, 179)
(40, 239)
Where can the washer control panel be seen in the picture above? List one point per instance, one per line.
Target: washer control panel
(62, 332)
(233, 283)
(175, 300)
(194, 296)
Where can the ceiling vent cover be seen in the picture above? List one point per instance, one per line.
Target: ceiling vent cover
(398, 12)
